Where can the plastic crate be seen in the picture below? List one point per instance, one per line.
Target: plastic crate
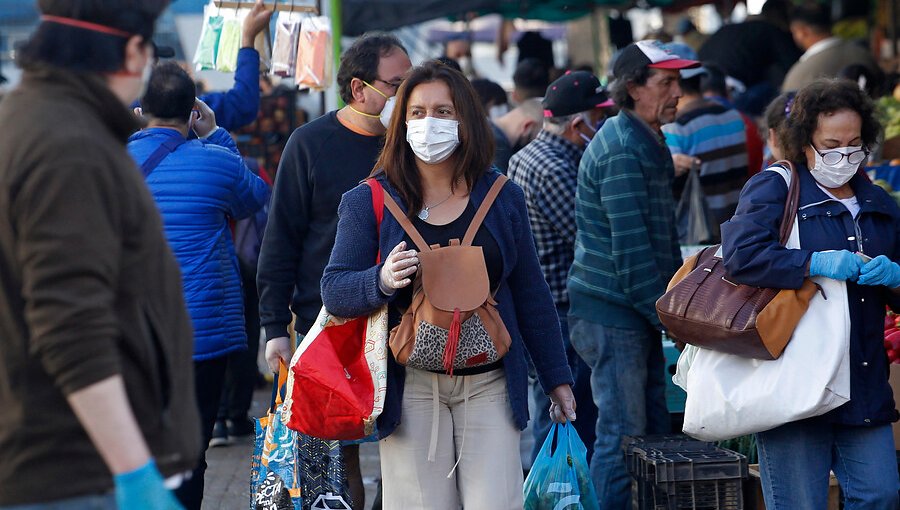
(710, 479)
(661, 442)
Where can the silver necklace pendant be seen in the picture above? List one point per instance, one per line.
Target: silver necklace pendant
(423, 214)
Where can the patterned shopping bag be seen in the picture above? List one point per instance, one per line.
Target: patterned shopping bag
(274, 473)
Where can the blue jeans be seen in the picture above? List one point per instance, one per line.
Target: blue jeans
(795, 460)
(629, 388)
(93, 502)
(586, 423)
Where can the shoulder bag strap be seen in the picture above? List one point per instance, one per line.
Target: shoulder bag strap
(156, 157)
(483, 210)
(378, 207)
(792, 203)
(404, 222)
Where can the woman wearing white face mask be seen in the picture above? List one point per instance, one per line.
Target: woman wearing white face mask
(450, 437)
(841, 216)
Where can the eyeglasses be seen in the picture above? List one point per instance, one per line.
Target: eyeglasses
(396, 84)
(834, 157)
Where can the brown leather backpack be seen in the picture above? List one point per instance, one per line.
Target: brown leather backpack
(452, 322)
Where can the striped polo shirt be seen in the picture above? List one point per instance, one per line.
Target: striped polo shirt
(717, 136)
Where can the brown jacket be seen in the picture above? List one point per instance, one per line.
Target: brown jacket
(827, 63)
(88, 289)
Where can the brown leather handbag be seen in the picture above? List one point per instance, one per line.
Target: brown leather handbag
(453, 321)
(702, 306)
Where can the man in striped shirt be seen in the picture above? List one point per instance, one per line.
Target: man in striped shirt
(710, 138)
(626, 251)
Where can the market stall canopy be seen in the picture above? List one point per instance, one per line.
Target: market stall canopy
(364, 15)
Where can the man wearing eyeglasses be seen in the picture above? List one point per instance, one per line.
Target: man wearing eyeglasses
(322, 160)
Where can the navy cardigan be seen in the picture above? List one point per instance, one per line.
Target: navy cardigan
(350, 289)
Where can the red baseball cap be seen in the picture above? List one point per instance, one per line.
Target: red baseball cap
(649, 53)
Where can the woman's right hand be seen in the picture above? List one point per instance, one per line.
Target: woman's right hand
(839, 265)
(398, 269)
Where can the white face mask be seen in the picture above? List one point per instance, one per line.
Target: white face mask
(835, 176)
(432, 140)
(388, 110)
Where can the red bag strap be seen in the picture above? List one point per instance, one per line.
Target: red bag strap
(378, 207)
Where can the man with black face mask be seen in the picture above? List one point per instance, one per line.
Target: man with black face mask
(322, 160)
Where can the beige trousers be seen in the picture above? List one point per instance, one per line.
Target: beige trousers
(474, 440)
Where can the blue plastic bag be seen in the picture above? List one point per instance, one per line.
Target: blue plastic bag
(560, 478)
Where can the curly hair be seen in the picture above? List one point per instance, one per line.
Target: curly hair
(618, 89)
(825, 96)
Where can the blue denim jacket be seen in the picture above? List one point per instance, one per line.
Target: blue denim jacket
(753, 256)
(350, 289)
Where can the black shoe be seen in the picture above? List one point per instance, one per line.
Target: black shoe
(220, 435)
(241, 428)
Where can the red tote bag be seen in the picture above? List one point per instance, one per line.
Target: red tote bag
(338, 375)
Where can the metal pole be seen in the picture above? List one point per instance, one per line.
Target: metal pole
(337, 33)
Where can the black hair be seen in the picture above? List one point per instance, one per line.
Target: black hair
(84, 50)
(170, 93)
(825, 96)
(776, 10)
(362, 58)
(778, 110)
(691, 86)
(451, 62)
(618, 89)
(490, 93)
(815, 17)
(714, 80)
(531, 78)
(874, 78)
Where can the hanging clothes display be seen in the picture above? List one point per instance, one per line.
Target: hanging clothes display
(205, 57)
(314, 53)
(284, 51)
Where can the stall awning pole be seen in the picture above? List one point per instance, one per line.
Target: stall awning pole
(337, 33)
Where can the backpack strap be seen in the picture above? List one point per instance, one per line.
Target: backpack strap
(483, 210)
(164, 149)
(404, 222)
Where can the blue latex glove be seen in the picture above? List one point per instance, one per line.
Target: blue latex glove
(839, 265)
(143, 489)
(880, 271)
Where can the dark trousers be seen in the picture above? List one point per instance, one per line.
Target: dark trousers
(242, 372)
(208, 378)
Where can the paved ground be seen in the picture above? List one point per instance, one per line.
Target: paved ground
(228, 474)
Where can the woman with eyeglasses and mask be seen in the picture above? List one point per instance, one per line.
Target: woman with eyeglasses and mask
(849, 230)
(450, 438)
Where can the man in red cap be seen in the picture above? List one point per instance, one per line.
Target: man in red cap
(626, 250)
